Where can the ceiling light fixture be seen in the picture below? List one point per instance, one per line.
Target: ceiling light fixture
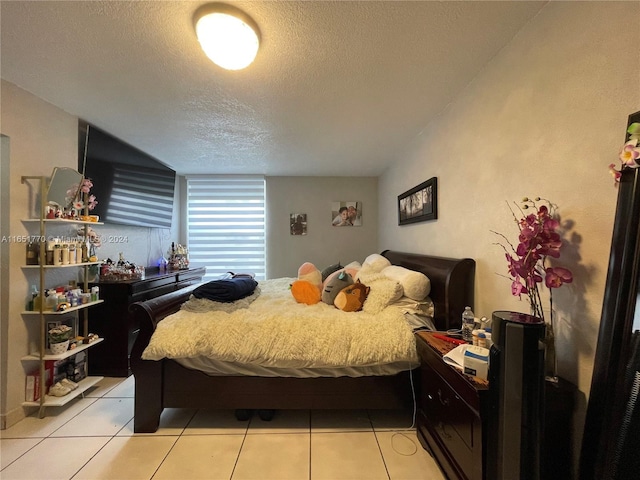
(228, 36)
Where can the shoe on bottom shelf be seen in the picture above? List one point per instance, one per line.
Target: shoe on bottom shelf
(58, 390)
(65, 382)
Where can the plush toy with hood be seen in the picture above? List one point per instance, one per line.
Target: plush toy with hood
(351, 298)
(333, 284)
(330, 269)
(308, 287)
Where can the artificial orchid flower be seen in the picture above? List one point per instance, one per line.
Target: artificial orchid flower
(630, 154)
(538, 239)
(557, 276)
(615, 173)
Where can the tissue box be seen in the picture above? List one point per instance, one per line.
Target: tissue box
(476, 361)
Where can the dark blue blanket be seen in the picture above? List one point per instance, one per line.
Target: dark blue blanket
(227, 290)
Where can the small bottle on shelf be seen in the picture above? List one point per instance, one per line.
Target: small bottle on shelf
(468, 320)
(57, 253)
(33, 253)
(65, 254)
(33, 299)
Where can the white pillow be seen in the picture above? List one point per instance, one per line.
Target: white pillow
(416, 285)
(375, 263)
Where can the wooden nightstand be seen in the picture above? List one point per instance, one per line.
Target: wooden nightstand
(450, 411)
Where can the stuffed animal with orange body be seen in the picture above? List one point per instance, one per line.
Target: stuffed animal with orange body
(308, 287)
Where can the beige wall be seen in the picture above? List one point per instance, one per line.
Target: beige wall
(544, 118)
(41, 136)
(323, 245)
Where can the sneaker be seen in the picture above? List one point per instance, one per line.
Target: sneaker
(65, 382)
(58, 390)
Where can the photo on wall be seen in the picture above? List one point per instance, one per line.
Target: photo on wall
(298, 223)
(419, 204)
(346, 214)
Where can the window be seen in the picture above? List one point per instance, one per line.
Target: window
(226, 224)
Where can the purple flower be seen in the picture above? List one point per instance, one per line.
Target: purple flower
(538, 239)
(557, 276)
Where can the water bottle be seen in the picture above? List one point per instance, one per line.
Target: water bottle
(468, 321)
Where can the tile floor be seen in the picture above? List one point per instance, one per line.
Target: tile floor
(92, 438)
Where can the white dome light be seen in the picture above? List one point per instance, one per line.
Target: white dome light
(228, 36)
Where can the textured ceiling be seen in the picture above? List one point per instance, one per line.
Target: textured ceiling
(338, 88)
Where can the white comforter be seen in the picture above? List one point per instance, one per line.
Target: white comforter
(275, 331)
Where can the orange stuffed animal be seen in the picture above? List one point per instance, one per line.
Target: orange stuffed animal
(308, 287)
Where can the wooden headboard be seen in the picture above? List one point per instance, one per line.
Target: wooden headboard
(452, 283)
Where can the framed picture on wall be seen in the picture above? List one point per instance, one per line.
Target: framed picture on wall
(346, 214)
(419, 204)
(298, 223)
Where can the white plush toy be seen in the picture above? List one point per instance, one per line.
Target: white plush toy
(416, 285)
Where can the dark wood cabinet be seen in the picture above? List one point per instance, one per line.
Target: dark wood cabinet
(451, 411)
(112, 321)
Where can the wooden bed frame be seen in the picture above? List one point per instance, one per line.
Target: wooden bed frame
(166, 384)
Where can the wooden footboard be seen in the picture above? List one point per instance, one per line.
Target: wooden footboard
(149, 374)
(165, 383)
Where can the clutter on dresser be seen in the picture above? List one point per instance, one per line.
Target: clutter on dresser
(178, 257)
(121, 270)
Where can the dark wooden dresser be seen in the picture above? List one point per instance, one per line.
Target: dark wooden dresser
(111, 320)
(450, 412)
(453, 410)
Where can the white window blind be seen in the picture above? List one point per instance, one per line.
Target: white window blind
(226, 224)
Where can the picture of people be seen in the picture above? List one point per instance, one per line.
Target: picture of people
(346, 214)
(298, 223)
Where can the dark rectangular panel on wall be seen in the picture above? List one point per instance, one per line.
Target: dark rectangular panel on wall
(610, 411)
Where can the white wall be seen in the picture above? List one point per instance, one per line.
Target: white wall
(323, 245)
(544, 118)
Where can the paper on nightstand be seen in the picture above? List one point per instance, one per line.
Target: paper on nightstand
(455, 357)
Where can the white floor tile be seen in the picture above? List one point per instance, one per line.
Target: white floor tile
(103, 386)
(346, 456)
(406, 459)
(207, 422)
(340, 421)
(173, 421)
(126, 389)
(209, 457)
(12, 448)
(127, 458)
(104, 417)
(396, 420)
(55, 417)
(284, 421)
(211, 444)
(54, 458)
(274, 457)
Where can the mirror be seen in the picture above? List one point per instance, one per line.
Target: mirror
(64, 186)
